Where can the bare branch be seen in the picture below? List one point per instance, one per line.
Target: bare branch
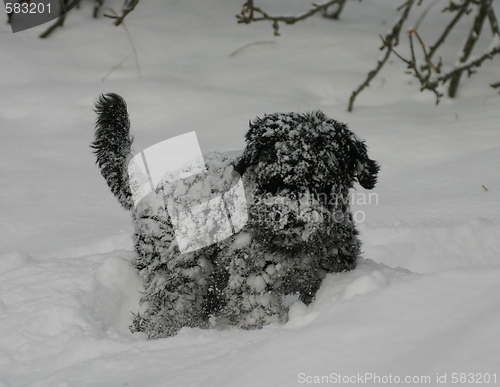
(236, 52)
(250, 12)
(462, 10)
(128, 7)
(430, 77)
(471, 65)
(115, 67)
(97, 7)
(65, 5)
(335, 14)
(132, 45)
(424, 14)
(473, 37)
(493, 22)
(389, 42)
(431, 73)
(426, 80)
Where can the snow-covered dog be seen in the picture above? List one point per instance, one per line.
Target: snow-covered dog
(297, 170)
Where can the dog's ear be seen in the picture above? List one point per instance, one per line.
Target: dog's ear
(366, 168)
(367, 173)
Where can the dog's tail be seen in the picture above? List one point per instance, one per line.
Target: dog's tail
(112, 145)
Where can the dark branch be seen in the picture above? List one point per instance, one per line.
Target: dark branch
(65, 5)
(484, 10)
(335, 14)
(128, 7)
(430, 76)
(462, 10)
(250, 12)
(471, 65)
(493, 22)
(389, 42)
(97, 7)
(426, 81)
(431, 73)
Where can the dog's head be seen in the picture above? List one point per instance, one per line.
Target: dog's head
(300, 166)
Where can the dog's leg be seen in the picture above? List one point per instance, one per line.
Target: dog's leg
(303, 275)
(252, 300)
(175, 284)
(344, 245)
(175, 294)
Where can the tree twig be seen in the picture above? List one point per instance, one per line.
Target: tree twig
(335, 14)
(97, 7)
(389, 42)
(424, 14)
(425, 80)
(65, 6)
(431, 74)
(430, 77)
(113, 68)
(482, 14)
(462, 11)
(471, 65)
(243, 48)
(134, 50)
(249, 12)
(128, 7)
(493, 22)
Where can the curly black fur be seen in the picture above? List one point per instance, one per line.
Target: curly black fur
(112, 145)
(346, 153)
(297, 172)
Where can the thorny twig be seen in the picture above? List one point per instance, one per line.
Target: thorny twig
(335, 14)
(464, 9)
(430, 73)
(431, 76)
(493, 21)
(482, 14)
(251, 13)
(128, 7)
(426, 80)
(389, 42)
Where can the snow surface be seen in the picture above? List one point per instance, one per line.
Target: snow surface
(425, 301)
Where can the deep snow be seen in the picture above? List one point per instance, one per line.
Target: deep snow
(425, 301)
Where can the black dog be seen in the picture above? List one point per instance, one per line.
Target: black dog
(297, 171)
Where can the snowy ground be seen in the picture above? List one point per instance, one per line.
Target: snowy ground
(424, 303)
